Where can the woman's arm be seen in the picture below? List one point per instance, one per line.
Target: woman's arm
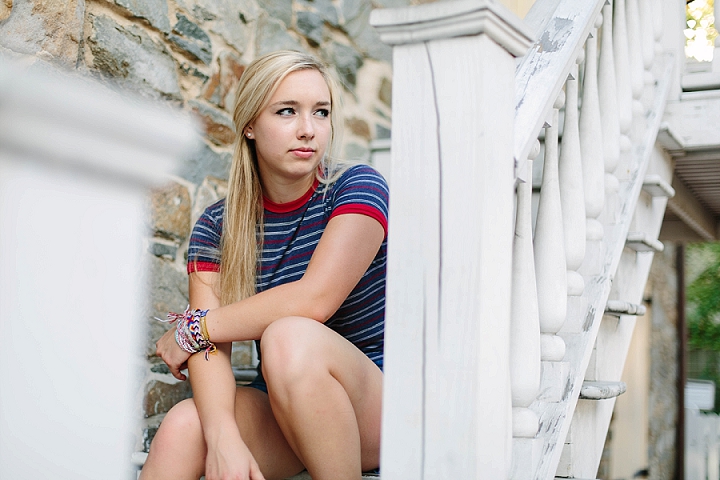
(345, 251)
(213, 386)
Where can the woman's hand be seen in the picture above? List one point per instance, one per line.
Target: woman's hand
(174, 356)
(228, 458)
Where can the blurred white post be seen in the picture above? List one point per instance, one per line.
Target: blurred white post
(447, 406)
(75, 165)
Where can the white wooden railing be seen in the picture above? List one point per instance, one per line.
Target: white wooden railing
(471, 332)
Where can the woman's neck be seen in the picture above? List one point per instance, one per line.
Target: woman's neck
(284, 192)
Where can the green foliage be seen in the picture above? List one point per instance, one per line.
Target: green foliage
(703, 298)
(700, 32)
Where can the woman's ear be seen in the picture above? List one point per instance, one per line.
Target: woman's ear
(249, 132)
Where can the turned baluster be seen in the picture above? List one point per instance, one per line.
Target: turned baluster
(648, 35)
(571, 187)
(634, 39)
(592, 133)
(550, 265)
(622, 67)
(524, 320)
(608, 93)
(637, 70)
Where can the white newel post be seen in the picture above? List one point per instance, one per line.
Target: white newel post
(75, 167)
(447, 406)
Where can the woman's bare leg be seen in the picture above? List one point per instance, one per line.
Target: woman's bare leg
(326, 396)
(178, 449)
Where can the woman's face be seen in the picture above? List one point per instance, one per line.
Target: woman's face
(292, 132)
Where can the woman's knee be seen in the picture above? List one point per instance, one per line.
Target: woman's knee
(287, 348)
(179, 424)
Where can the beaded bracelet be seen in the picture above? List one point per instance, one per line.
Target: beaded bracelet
(191, 331)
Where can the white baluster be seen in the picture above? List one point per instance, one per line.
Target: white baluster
(550, 266)
(622, 67)
(592, 137)
(648, 34)
(524, 321)
(607, 85)
(637, 70)
(657, 25)
(634, 39)
(571, 186)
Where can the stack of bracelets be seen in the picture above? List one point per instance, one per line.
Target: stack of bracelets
(191, 332)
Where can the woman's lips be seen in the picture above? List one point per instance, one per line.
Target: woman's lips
(303, 152)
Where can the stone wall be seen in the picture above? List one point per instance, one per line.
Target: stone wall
(663, 401)
(190, 54)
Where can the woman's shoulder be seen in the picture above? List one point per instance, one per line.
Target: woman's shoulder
(361, 172)
(213, 213)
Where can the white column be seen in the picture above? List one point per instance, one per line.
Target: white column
(447, 405)
(76, 164)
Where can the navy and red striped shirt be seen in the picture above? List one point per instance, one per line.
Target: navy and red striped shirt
(291, 233)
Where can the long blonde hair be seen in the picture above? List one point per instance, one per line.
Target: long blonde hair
(241, 241)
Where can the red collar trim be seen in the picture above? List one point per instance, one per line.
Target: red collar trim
(290, 206)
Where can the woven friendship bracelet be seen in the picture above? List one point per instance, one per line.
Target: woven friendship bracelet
(191, 332)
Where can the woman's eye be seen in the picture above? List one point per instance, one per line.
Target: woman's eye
(323, 112)
(286, 111)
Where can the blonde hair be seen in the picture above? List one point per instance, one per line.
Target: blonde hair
(241, 241)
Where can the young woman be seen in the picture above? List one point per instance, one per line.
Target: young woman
(294, 257)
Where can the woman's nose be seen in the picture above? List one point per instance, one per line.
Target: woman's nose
(306, 128)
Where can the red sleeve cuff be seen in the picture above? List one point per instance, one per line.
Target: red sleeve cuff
(193, 267)
(362, 209)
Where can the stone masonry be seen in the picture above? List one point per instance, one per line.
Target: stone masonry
(190, 54)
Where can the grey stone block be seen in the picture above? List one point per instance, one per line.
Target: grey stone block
(352, 8)
(154, 11)
(226, 18)
(164, 250)
(203, 162)
(192, 39)
(168, 288)
(325, 8)
(130, 56)
(347, 61)
(312, 26)
(368, 41)
(272, 35)
(279, 9)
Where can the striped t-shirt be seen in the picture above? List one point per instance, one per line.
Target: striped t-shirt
(291, 233)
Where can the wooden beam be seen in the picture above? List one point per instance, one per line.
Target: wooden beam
(686, 207)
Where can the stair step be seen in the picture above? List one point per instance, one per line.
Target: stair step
(601, 390)
(641, 242)
(657, 187)
(618, 307)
